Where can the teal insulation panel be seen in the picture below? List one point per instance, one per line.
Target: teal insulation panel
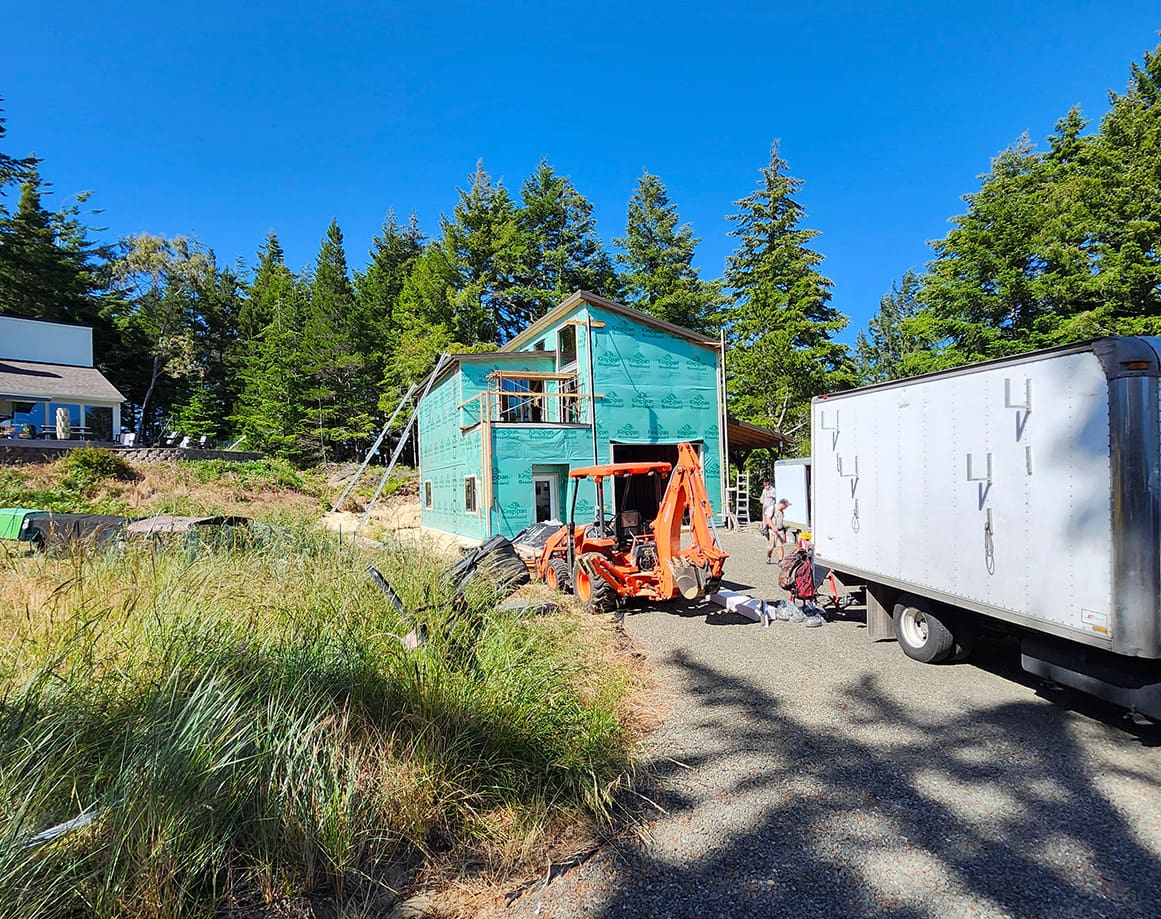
(520, 448)
(447, 457)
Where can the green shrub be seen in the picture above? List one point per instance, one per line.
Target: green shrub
(92, 464)
(271, 472)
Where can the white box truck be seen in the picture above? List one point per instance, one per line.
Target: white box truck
(1021, 493)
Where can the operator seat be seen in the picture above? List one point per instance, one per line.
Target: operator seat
(629, 523)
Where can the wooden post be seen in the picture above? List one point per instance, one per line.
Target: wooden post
(592, 386)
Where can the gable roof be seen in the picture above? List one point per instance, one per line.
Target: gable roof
(29, 381)
(470, 356)
(584, 296)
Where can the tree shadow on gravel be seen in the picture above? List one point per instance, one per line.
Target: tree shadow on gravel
(883, 809)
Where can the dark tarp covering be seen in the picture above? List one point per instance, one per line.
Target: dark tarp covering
(168, 523)
(498, 559)
(56, 531)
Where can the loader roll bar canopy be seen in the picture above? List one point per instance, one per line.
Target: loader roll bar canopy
(618, 469)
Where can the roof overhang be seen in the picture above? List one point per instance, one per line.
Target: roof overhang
(583, 296)
(32, 381)
(744, 437)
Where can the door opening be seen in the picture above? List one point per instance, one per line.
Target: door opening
(545, 497)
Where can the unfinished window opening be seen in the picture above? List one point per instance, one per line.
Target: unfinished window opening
(427, 499)
(521, 402)
(471, 483)
(570, 405)
(566, 347)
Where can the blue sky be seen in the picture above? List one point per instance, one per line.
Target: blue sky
(228, 120)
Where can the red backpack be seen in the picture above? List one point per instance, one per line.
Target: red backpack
(796, 574)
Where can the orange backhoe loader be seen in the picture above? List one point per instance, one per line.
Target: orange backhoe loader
(619, 556)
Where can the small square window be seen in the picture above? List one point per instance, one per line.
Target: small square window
(470, 504)
(427, 494)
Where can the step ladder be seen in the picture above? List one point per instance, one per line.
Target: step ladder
(742, 500)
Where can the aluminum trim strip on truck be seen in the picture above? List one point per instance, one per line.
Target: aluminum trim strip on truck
(1132, 366)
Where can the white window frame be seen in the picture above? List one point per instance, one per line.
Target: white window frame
(428, 502)
(475, 479)
(553, 491)
(562, 367)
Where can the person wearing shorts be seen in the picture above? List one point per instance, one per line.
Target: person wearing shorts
(767, 509)
(777, 537)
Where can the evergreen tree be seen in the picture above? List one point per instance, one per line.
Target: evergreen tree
(339, 409)
(270, 411)
(1060, 245)
(49, 268)
(1123, 259)
(470, 278)
(272, 282)
(894, 344)
(558, 250)
(378, 291)
(782, 324)
(213, 383)
(659, 276)
(12, 169)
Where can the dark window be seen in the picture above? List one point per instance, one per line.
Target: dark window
(566, 346)
(521, 402)
(470, 494)
(427, 494)
(539, 346)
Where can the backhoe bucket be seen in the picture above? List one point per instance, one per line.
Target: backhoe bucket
(690, 579)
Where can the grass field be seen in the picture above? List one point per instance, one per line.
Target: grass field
(184, 733)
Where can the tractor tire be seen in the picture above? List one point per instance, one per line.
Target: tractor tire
(595, 593)
(557, 577)
(921, 631)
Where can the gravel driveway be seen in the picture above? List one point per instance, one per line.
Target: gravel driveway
(809, 772)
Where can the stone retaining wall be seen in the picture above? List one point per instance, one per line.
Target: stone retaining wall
(16, 453)
(174, 454)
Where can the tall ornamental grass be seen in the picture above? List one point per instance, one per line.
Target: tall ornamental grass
(180, 731)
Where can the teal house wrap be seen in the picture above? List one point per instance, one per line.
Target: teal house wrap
(592, 381)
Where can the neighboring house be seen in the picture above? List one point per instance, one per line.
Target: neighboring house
(499, 431)
(48, 365)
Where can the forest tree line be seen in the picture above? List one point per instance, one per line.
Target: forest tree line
(1056, 245)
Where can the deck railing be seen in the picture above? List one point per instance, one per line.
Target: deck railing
(507, 407)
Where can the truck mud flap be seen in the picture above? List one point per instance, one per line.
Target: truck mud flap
(1132, 683)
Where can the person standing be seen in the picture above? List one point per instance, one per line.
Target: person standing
(777, 537)
(767, 508)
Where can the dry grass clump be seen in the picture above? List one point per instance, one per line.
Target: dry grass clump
(181, 732)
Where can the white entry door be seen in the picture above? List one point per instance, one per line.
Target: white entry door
(544, 497)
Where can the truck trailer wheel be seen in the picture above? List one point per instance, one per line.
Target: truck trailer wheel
(921, 634)
(556, 575)
(597, 594)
